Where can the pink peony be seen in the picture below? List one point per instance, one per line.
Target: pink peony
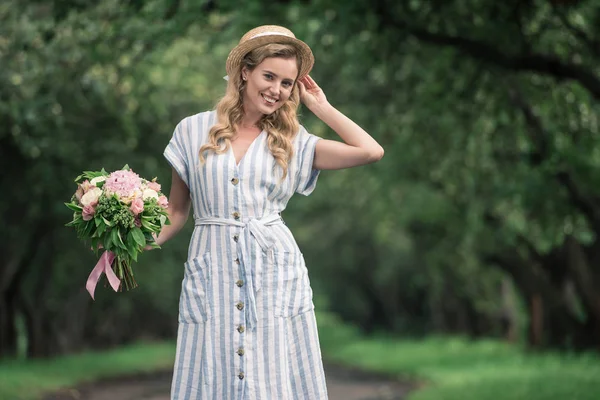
(122, 183)
(137, 206)
(88, 212)
(154, 186)
(163, 202)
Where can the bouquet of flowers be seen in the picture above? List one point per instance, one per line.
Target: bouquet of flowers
(121, 213)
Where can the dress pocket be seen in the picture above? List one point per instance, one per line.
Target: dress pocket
(287, 283)
(194, 303)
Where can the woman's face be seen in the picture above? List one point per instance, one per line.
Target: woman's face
(269, 85)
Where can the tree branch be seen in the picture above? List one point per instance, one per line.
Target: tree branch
(539, 138)
(540, 63)
(537, 133)
(172, 10)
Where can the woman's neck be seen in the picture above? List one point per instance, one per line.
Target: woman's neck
(251, 120)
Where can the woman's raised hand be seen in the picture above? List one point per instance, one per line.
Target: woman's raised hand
(311, 94)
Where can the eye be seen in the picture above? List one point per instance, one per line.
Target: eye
(269, 76)
(287, 84)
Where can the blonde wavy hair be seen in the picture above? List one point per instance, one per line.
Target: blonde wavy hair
(281, 126)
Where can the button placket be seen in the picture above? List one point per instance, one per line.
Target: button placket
(236, 215)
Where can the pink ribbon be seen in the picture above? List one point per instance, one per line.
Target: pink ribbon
(103, 266)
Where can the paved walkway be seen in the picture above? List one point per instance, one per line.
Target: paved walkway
(342, 383)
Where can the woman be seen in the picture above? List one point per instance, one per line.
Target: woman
(247, 328)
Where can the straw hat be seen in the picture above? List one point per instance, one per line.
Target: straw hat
(269, 34)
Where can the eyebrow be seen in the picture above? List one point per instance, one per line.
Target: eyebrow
(274, 74)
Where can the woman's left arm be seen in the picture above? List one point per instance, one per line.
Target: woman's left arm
(359, 148)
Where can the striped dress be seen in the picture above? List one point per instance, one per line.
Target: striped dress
(247, 327)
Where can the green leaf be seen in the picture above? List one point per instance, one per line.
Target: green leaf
(108, 243)
(149, 225)
(132, 250)
(138, 236)
(116, 238)
(89, 228)
(101, 229)
(74, 207)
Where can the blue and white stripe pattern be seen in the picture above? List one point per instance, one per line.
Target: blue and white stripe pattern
(247, 327)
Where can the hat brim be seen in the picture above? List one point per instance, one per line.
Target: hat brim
(305, 54)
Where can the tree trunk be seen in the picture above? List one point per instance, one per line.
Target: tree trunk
(552, 324)
(535, 331)
(8, 329)
(509, 317)
(41, 332)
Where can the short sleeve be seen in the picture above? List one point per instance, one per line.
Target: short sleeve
(306, 176)
(176, 152)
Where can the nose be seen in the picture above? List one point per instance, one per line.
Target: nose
(275, 88)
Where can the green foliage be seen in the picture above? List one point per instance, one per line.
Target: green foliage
(451, 368)
(28, 380)
(489, 130)
(84, 87)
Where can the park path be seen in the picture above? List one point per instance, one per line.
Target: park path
(343, 384)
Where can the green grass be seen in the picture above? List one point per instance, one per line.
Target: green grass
(28, 379)
(448, 368)
(459, 369)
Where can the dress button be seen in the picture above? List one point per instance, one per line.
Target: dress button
(235, 181)
(240, 328)
(237, 261)
(239, 283)
(236, 238)
(240, 306)
(240, 351)
(241, 375)
(236, 216)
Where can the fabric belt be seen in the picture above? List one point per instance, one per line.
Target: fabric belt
(252, 230)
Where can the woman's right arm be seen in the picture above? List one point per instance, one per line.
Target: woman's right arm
(178, 210)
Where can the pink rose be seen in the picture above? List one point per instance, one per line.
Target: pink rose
(91, 197)
(154, 186)
(86, 185)
(137, 206)
(163, 202)
(79, 193)
(88, 212)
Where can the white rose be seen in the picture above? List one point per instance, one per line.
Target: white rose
(91, 197)
(97, 179)
(149, 193)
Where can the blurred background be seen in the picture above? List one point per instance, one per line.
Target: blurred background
(468, 258)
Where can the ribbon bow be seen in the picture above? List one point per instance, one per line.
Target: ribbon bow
(103, 266)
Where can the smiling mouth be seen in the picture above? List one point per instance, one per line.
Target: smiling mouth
(268, 99)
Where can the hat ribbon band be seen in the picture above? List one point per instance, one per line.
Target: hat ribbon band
(268, 33)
